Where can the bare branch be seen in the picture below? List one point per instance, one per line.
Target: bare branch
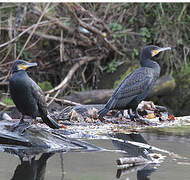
(6, 106)
(35, 27)
(94, 30)
(70, 74)
(22, 33)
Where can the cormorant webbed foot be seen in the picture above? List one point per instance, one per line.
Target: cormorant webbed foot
(101, 118)
(20, 127)
(134, 116)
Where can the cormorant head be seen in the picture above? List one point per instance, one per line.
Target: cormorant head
(150, 51)
(19, 65)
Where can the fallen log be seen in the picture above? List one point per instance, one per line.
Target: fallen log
(37, 139)
(163, 86)
(90, 97)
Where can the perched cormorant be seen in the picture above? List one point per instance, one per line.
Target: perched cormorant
(27, 95)
(135, 86)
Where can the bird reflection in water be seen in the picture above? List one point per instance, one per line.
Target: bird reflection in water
(132, 150)
(32, 169)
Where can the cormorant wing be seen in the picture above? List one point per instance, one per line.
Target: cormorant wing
(40, 98)
(137, 83)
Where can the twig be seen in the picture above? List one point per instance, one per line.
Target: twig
(22, 33)
(65, 27)
(61, 50)
(185, 52)
(56, 38)
(163, 14)
(4, 83)
(182, 11)
(8, 52)
(37, 39)
(64, 101)
(69, 30)
(70, 74)
(56, 94)
(94, 30)
(6, 106)
(34, 29)
(106, 11)
(10, 32)
(6, 64)
(18, 22)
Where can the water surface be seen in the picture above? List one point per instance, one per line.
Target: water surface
(101, 164)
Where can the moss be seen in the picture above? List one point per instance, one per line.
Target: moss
(183, 76)
(180, 130)
(129, 70)
(7, 101)
(45, 85)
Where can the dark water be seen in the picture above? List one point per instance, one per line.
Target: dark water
(101, 165)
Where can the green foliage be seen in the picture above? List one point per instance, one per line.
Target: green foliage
(179, 131)
(45, 85)
(86, 87)
(183, 76)
(146, 34)
(25, 53)
(7, 101)
(115, 27)
(46, 43)
(116, 30)
(112, 66)
(129, 70)
(67, 23)
(135, 53)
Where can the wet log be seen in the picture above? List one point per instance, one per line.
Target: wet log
(90, 97)
(131, 161)
(163, 86)
(37, 138)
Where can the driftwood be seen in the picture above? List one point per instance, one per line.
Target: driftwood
(38, 139)
(90, 97)
(131, 161)
(163, 86)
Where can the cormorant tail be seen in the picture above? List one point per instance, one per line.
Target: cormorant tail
(50, 122)
(102, 112)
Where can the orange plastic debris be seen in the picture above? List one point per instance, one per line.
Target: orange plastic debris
(63, 126)
(171, 117)
(150, 116)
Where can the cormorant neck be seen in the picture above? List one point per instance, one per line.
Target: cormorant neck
(19, 71)
(151, 64)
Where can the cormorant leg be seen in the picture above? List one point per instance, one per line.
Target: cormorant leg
(119, 113)
(101, 118)
(21, 120)
(135, 115)
(21, 126)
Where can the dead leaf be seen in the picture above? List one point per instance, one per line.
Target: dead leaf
(150, 116)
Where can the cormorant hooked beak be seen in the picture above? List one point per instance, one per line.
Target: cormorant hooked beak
(156, 51)
(26, 66)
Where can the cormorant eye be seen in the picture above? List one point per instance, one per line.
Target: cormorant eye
(22, 66)
(154, 52)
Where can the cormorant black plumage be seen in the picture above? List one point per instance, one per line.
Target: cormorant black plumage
(27, 95)
(135, 86)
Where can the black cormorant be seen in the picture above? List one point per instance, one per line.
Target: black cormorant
(135, 86)
(27, 95)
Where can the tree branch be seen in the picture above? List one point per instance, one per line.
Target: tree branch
(70, 74)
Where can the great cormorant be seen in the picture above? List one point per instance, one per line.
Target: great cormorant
(135, 86)
(27, 95)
